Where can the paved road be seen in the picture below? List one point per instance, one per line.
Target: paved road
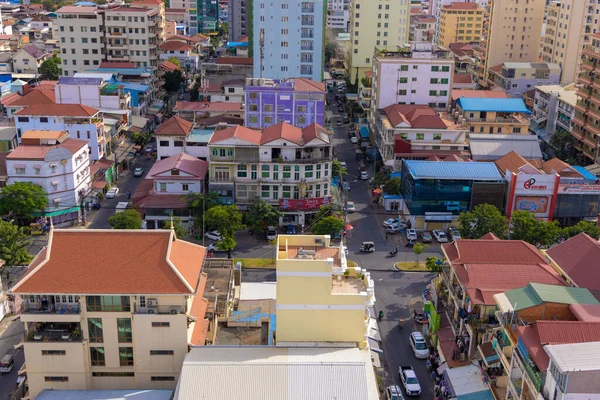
(11, 336)
(127, 182)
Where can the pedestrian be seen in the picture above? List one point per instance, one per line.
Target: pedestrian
(128, 194)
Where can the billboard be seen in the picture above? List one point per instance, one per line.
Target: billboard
(306, 204)
(535, 184)
(579, 189)
(535, 204)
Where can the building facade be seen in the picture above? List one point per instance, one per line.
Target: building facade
(287, 39)
(435, 7)
(492, 115)
(299, 102)
(516, 78)
(29, 59)
(460, 23)
(239, 24)
(422, 28)
(417, 74)
(338, 15)
(208, 16)
(563, 42)
(108, 328)
(553, 110)
(385, 26)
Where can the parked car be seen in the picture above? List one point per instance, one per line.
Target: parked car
(411, 234)
(409, 380)
(364, 176)
(346, 186)
(213, 235)
(393, 392)
(354, 140)
(392, 229)
(290, 230)
(138, 172)
(440, 236)
(215, 247)
(344, 165)
(454, 233)
(346, 119)
(112, 193)
(271, 233)
(350, 207)
(418, 345)
(390, 221)
(426, 237)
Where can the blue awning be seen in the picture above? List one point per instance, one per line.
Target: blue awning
(237, 44)
(364, 132)
(483, 395)
(492, 105)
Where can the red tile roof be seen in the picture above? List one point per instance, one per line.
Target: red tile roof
(463, 78)
(487, 94)
(561, 168)
(174, 126)
(578, 258)
(417, 116)
(283, 131)
(486, 251)
(39, 152)
(433, 158)
(11, 98)
(192, 39)
(315, 131)
(514, 162)
(207, 107)
(91, 262)
(175, 45)
(200, 332)
(117, 64)
(234, 60)
(193, 166)
(38, 96)
(586, 312)
(63, 110)
(199, 305)
(308, 85)
(239, 132)
(169, 66)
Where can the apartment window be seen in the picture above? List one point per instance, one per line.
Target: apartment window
(54, 352)
(161, 324)
(443, 93)
(84, 40)
(96, 334)
(108, 303)
(23, 119)
(403, 80)
(165, 378)
(420, 136)
(433, 80)
(308, 171)
(94, 51)
(265, 191)
(445, 68)
(72, 40)
(516, 130)
(287, 172)
(268, 107)
(433, 93)
(253, 119)
(113, 374)
(437, 136)
(97, 356)
(265, 171)
(268, 120)
(125, 356)
(94, 40)
(402, 92)
(161, 352)
(178, 143)
(242, 171)
(435, 68)
(301, 109)
(301, 120)
(124, 330)
(85, 51)
(62, 40)
(62, 28)
(404, 68)
(56, 378)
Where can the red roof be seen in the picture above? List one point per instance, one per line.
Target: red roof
(487, 94)
(174, 126)
(284, 131)
(91, 261)
(461, 6)
(308, 85)
(207, 107)
(417, 116)
(239, 132)
(169, 66)
(38, 96)
(182, 162)
(193, 39)
(175, 45)
(117, 64)
(463, 78)
(579, 258)
(62, 110)
(471, 251)
(586, 312)
(39, 152)
(234, 60)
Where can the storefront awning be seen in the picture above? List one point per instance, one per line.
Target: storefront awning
(56, 213)
(438, 218)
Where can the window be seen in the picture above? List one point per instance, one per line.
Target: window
(164, 143)
(125, 356)
(23, 119)
(516, 130)
(97, 356)
(445, 69)
(444, 80)
(242, 171)
(403, 80)
(161, 324)
(54, 352)
(56, 378)
(113, 374)
(268, 108)
(420, 136)
(286, 194)
(253, 172)
(108, 303)
(162, 187)
(301, 109)
(265, 171)
(301, 120)
(402, 92)
(265, 191)
(253, 119)
(443, 93)
(44, 120)
(308, 171)
(433, 80)
(124, 330)
(437, 136)
(433, 93)
(84, 40)
(435, 68)
(165, 378)
(287, 171)
(161, 352)
(268, 120)
(95, 330)
(404, 68)
(178, 143)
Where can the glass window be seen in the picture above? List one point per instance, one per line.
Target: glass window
(437, 136)
(286, 194)
(403, 80)
(308, 171)
(435, 68)
(242, 171)
(265, 192)
(444, 69)
(443, 93)
(265, 171)
(97, 356)
(444, 80)
(108, 303)
(215, 152)
(126, 356)
(433, 92)
(287, 171)
(124, 330)
(404, 68)
(420, 136)
(433, 80)
(95, 330)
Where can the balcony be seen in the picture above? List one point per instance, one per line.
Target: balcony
(589, 153)
(584, 92)
(593, 113)
(54, 332)
(582, 108)
(533, 376)
(593, 128)
(584, 79)
(161, 309)
(588, 65)
(590, 51)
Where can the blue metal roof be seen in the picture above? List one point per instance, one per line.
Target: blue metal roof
(586, 174)
(200, 135)
(364, 132)
(86, 4)
(479, 171)
(134, 86)
(69, 80)
(237, 44)
(492, 105)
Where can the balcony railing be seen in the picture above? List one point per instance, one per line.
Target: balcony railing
(54, 335)
(162, 309)
(37, 308)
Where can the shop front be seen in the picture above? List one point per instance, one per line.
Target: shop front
(300, 213)
(535, 193)
(577, 202)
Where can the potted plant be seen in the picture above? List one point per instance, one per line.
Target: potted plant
(347, 273)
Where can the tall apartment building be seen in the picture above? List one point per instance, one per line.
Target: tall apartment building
(512, 32)
(287, 39)
(460, 23)
(97, 320)
(553, 109)
(317, 293)
(208, 16)
(383, 24)
(435, 7)
(89, 35)
(239, 24)
(191, 9)
(420, 73)
(517, 78)
(299, 102)
(160, 6)
(338, 14)
(586, 122)
(569, 25)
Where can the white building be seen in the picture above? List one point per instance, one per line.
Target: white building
(229, 91)
(574, 371)
(91, 92)
(422, 27)
(185, 53)
(175, 136)
(553, 109)
(81, 122)
(417, 74)
(59, 164)
(338, 14)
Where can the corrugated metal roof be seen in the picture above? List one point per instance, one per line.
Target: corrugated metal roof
(276, 373)
(141, 394)
(492, 105)
(537, 293)
(483, 171)
(68, 80)
(492, 147)
(575, 356)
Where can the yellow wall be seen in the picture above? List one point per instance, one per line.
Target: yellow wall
(309, 290)
(453, 22)
(320, 325)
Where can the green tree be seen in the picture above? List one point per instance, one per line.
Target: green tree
(393, 186)
(175, 61)
(21, 199)
(50, 68)
(328, 210)
(589, 228)
(227, 220)
(483, 219)
(180, 231)
(128, 219)
(199, 203)
(13, 249)
(381, 177)
(328, 226)
(433, 265)
(173, 80)
(261, 214)
(561, 143)
(524, 226)
(418, 249)
(337, 170)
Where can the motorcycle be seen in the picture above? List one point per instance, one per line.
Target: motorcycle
(393, 253)
(380, 316)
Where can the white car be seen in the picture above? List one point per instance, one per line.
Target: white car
(418, 345)
(112, 193)
(271, 233)
(440, 236)
(411, 234)
(409, 380)
(364, 175)
(344, 165)
(350, 207)
(454, 233)
(354, 140)
(214, 235)
(390, 221)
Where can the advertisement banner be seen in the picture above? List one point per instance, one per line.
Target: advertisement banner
(535, 184)
(535, 204)
(306, 204)
(579, 189)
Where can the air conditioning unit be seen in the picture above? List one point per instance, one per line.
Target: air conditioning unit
(151, 303)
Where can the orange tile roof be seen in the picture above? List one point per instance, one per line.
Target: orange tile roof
(239, 132)
(193, 166)
(199, 304)
(561, 168)
(308, 85)
(225, 60)
(115, 262)
(39, 152)
(175, 45)
(283, 131)
(193, 39)
(169, 66)
(11, 98)
(174, 126)
(200, 333)
(490, 251)
(417, 116)
(463, 78)
(578, 258)
(63, 110)
(38, 96)
(512, 161)
(315, 131)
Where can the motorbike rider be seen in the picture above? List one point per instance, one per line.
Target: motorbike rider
(380, 315)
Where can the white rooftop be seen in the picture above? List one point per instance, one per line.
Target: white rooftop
(565, 93)
(491, 147)
(575, 356)
(258, 290)
(276, 373)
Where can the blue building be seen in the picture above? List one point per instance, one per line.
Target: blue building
(292, 39)
(139, 96)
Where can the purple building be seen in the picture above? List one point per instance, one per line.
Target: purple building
(297, 101)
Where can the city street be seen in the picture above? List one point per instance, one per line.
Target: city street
(11, 336)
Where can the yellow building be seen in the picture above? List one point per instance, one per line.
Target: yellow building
(319, 298)
(381, 24)
(460, 23)
(493, 115)
(563, 41)
(512, 31)
(111, 309)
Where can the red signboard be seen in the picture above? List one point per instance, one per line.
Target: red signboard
(306, 204)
